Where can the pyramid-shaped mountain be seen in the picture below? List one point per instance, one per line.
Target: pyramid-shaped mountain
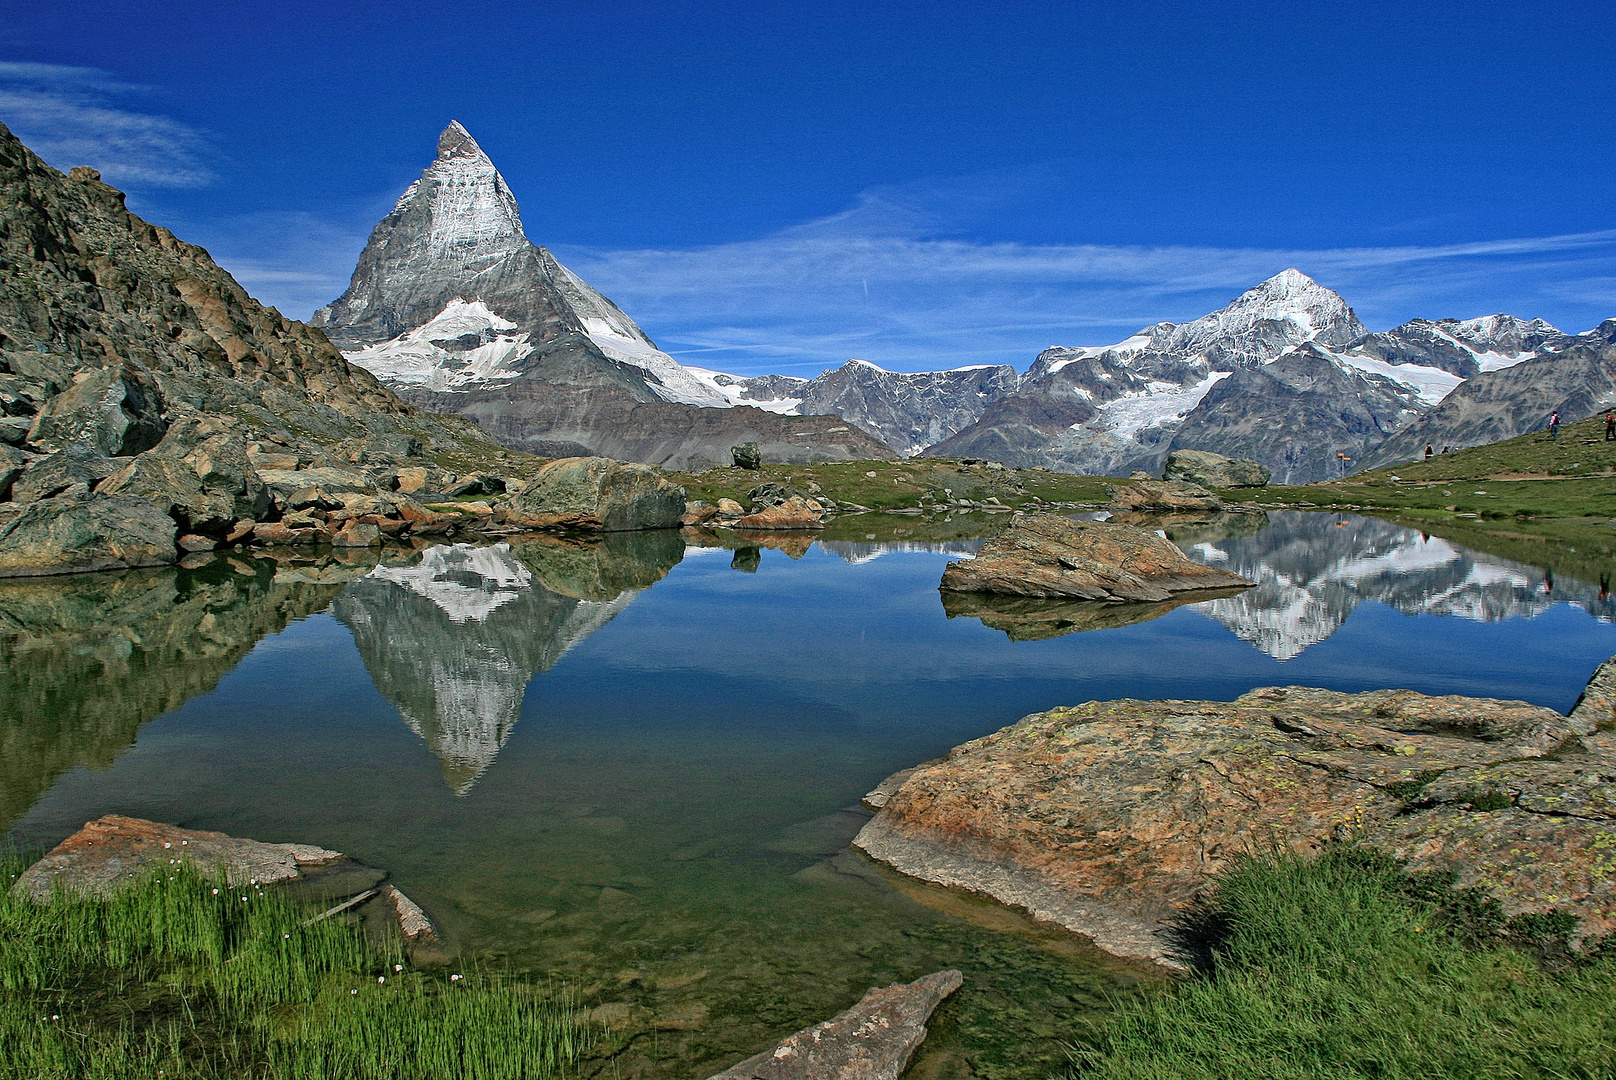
(455, 308)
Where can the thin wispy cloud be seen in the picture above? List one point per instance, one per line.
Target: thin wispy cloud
(808, 298)
(83, 116)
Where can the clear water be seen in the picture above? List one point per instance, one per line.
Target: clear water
(631, 765)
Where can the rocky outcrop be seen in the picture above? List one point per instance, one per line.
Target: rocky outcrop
(779, 506)
(912, 410)
(1047, 555)
(130, 363)
(114, 849)
(78, 532)
(1143, 495)
(1110, 818)
(598, 493)
(1209, 470)
(873, 1040)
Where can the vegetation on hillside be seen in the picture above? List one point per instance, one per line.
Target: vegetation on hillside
(886, 485)
(181, 976)
(1346, 966)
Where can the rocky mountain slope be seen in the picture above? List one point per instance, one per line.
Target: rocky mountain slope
(142, 390)
(452, 306)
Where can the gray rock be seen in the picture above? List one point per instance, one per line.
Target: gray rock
(873, 1040)
(908, 410)
(14, 429)
(597, 493)
(11, 466)
(1211, 470)
(746, 456)
(69, 535)
(118, 412)
(1163, 496)
(53, 474)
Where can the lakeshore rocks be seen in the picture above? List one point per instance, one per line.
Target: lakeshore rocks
(599, 494)
(1109, 818)
(114, 849)
(117, 412)
(49, 476)
(1162, 496)
(1211, 470)
(77, 533)
(794, 512)
(1046, 555)
(873, 1040)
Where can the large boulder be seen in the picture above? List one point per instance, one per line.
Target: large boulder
(11, 466)
(199, 475)
(114, 850)
(1162, 496)
(599, 494)
(119, 412)
(793, 512)
(78, 533)
(1211, 470)
(49, 476)
(873, 1040)
(1110, 818)
(1053, 556)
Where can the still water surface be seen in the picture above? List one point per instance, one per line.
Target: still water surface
(635, 765)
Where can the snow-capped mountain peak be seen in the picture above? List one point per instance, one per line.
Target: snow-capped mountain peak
(1267, 321)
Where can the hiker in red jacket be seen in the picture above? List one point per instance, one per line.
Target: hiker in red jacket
(1554, 424)
(1610, 425)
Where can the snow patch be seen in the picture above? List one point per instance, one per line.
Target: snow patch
(1162, 404)
(1432, 384)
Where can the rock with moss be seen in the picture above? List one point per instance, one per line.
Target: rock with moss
(1211, 470)
(1110, 818)
(597, 494)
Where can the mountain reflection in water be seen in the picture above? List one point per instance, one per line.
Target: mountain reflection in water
(453, 640)
(1313, 569)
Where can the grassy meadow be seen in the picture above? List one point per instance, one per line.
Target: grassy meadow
(1346, 967)
(181, 976)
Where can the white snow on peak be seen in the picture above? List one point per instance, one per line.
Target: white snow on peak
(866, 363)
(441, 576)
(1160, 405)
(415, 359)
(1431, 384)
(474, 216)
(1125, 347)
(1292, 303)
(671, 380)
(733, 388)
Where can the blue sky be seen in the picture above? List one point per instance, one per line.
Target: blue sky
(784, 186)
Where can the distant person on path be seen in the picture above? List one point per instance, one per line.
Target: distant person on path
(1554, 424)
(1610, 425)
(1428, 451)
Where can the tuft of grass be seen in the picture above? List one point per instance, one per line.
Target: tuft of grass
(180, 975)
(1346, 967)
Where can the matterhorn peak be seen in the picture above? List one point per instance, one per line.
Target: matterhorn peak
(456, 141)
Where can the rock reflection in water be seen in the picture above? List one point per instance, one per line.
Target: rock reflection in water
(1026, 618)
(1313, 569)
(86, 660)
(453, 640)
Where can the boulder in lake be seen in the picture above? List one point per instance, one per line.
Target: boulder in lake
(873, 1040)
(1111, 817)
(1162, 496)
(598, 494)
(1053, 556)
(76, 533)
(1211, 470)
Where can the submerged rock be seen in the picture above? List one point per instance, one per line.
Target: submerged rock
(1163, 496)
(76, 533)
(873, 1040)
(1109, 818)
(1211, 470)
(599, 494)
(1052, 556)
(114, 850)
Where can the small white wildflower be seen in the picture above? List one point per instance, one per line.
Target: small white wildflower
(166, 844)
(54, 1016)
(286, 935)
(215, 892)
(353, 991)
(456, 978)
(398, 967)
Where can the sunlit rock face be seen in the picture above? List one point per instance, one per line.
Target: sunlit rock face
(453, 640)
(1313, 570)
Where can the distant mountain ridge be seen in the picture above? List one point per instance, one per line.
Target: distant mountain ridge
(454, 308)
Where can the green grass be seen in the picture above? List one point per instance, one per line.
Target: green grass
(179, 976)
(900, 483)
(1346, 966)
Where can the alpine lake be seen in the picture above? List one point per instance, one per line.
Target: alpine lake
(632, 766)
